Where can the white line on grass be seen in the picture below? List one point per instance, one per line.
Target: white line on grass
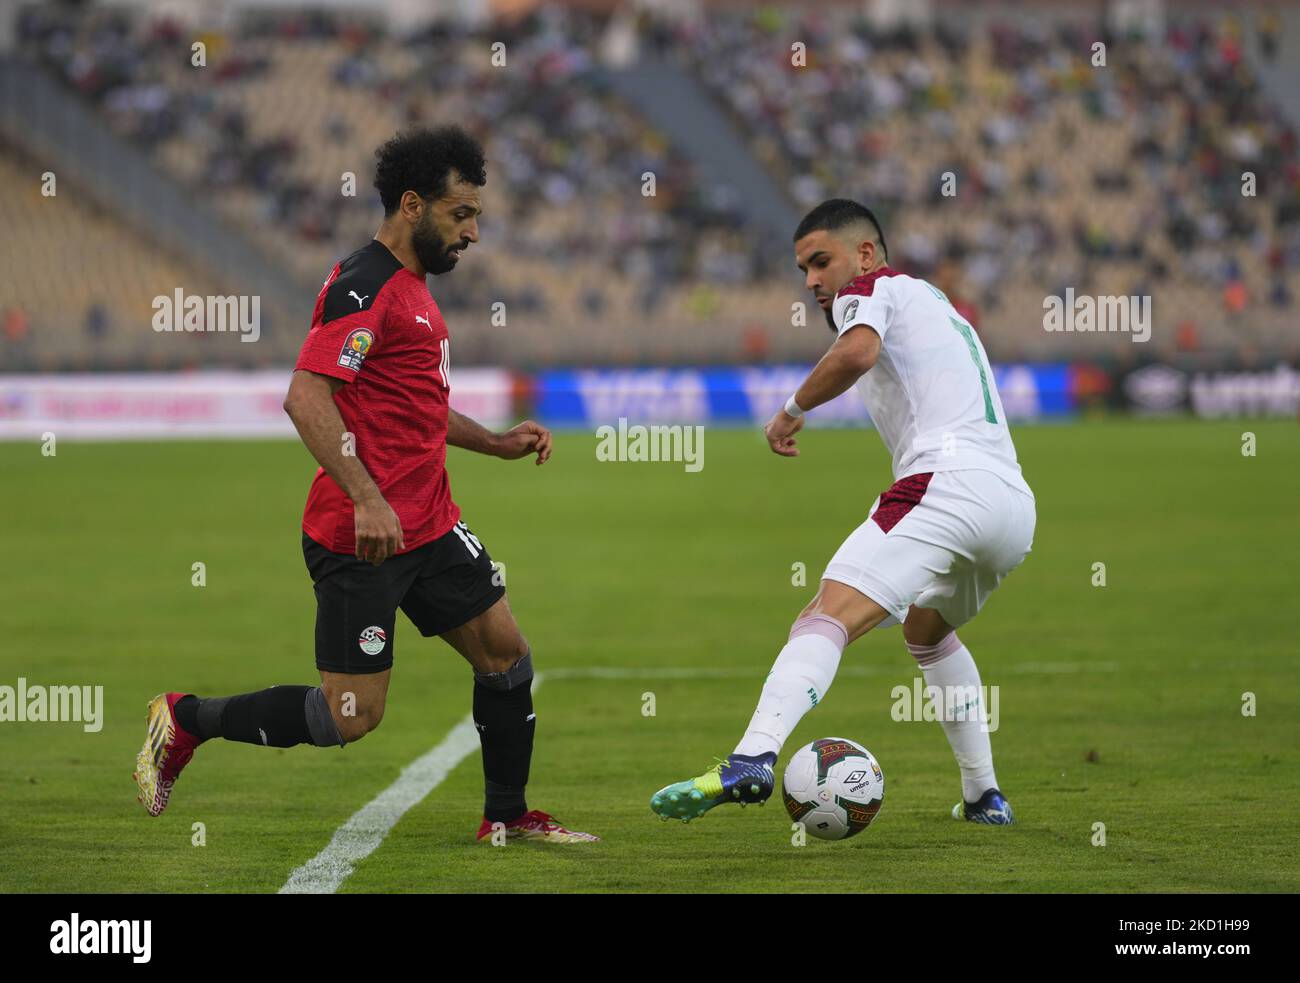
(361, 835)
(755, 673)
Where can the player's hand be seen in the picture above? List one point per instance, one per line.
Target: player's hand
(527, 438)
(780, 431)
(378, 531)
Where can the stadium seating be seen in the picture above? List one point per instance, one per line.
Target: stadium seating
(1119, 180)
(78, 294)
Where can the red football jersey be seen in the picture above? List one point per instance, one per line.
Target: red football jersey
(376, 327)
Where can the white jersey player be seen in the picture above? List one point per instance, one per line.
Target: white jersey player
(957, 519)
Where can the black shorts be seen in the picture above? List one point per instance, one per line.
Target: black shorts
(440, 586)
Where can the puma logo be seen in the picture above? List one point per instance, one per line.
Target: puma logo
(360, 300)
(424, 321)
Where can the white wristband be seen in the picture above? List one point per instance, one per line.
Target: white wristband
(792, 408)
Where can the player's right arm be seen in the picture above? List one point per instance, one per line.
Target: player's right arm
(851, 356)
(310, 405)
(347, 325)
(862, 314)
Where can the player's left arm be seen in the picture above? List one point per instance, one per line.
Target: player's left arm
(519, 441)
(845, 362)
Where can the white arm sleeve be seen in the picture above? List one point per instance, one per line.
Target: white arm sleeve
(876, 311)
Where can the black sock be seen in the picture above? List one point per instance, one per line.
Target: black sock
(505, 723)
(187, 713)
(274, 717)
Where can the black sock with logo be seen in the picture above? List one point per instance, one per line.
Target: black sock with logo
(274, 717)
(506, 724)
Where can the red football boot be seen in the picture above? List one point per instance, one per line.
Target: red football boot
(535, 825)
(167, 749)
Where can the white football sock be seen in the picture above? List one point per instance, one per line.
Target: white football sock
(949, 666)
(799, 679)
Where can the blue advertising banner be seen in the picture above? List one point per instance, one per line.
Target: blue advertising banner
(745, 396)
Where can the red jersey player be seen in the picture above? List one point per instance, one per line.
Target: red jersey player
(369, 397)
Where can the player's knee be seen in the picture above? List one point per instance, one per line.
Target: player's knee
(849, 607)
(924, 627)
(832, 629)
(502, 658)
(353, 728)
(928, 654)
(925, 636)
(512, 672)
(811, 609)
(350, 729)
(355, 721)
(488, 662)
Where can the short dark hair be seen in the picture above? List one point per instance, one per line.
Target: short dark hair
(419, 159)
(834, 214)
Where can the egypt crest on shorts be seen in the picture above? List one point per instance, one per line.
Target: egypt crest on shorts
(372, 640)
(355, 347)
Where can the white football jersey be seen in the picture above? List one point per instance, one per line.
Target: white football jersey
(931, 393)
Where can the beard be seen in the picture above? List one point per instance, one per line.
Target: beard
(432, 251)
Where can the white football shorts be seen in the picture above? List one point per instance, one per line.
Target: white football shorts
(942, 540)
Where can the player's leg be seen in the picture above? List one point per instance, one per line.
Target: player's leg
(804, 668)
(1000, 523)
(948, 666)
(460, 597)
(356, 609)
(177, 723)
(355, 703)
(342, 709)
(799, 680)
(871, 580)
(279, 716)
(503, 712)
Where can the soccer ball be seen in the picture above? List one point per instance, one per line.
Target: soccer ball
(834, 787)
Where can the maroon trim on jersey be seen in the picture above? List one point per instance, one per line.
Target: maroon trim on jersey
(901, 497)
(863, 286)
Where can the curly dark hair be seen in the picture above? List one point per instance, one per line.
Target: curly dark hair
(419, 159)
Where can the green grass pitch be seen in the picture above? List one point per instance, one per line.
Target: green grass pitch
(1119, 704)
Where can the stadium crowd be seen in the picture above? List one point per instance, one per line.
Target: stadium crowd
(1005, 164)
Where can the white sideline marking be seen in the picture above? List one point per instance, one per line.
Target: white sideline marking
(1055, 668)
(756, 673)
(361, 835)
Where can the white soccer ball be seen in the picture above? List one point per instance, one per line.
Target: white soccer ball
(833, 786)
